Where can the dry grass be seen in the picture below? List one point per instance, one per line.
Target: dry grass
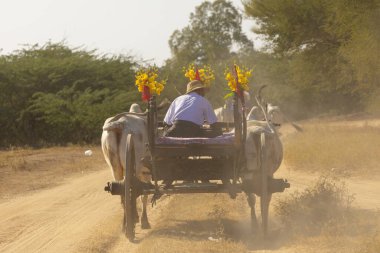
(349, 150)
(325, 205)
(25, 170)
(322, 219)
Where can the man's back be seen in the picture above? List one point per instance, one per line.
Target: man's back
(190, 107)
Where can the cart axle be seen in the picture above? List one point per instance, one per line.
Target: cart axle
(274, 185)
(115, 187)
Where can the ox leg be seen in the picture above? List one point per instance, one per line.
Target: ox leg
(265, 215)
(144, 217)
(251, 198)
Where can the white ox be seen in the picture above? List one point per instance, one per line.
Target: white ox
(263, 120)
(115, 131)
(273, 158)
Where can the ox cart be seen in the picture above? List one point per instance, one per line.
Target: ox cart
(197, 165)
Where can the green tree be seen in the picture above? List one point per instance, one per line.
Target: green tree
(213, 36)
(38, 82)
(330, 66)
(215, 27)
(75, 116)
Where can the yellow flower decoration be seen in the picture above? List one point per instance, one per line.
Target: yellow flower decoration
(147, 83)
(205, 74)
(242, 74)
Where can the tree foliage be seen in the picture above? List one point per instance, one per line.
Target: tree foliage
(213, 36)
(322, 57)
(332, 47)
(56, 94)
(215, 27)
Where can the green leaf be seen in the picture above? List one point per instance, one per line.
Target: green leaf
(228, 95)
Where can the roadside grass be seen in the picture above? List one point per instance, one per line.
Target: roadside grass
(23, 170)
(320, 207)
(350, 151)
(321, 218)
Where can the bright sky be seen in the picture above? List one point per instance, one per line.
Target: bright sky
(135, 27)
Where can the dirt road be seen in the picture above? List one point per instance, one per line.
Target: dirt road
(57, 219)
(79, 216)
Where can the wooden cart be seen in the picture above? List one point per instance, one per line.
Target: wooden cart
(202, 165)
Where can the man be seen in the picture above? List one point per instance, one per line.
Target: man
(188, 113)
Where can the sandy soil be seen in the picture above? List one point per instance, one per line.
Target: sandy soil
(78, 216)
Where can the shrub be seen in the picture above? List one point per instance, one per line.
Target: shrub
(326, 202)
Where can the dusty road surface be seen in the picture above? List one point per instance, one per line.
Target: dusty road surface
(76, 215)
(79, 216)
(57, 219)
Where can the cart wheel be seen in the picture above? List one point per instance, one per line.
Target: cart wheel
(265, 195)
(130, 192)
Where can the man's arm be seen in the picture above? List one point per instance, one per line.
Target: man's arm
(211, 118)
(169, 115)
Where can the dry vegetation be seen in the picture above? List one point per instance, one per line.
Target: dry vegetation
(322, 216)
(318, 207)
(26, 170)
(348, 150)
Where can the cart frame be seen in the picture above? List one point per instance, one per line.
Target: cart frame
(195, 162)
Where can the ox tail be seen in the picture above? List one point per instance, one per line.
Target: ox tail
(110, 151)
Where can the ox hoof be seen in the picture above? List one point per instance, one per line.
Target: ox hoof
(145, 225)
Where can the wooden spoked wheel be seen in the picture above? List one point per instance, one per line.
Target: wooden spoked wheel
(130, 193)
(265, 196)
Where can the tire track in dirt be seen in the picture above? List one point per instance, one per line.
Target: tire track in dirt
(57, 219)
(77, 216)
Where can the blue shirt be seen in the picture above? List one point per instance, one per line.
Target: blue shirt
(191, 107)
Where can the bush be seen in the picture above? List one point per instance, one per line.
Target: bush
(53, 94)
(307, 212)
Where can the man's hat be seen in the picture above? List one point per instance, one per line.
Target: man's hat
(194, 85)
